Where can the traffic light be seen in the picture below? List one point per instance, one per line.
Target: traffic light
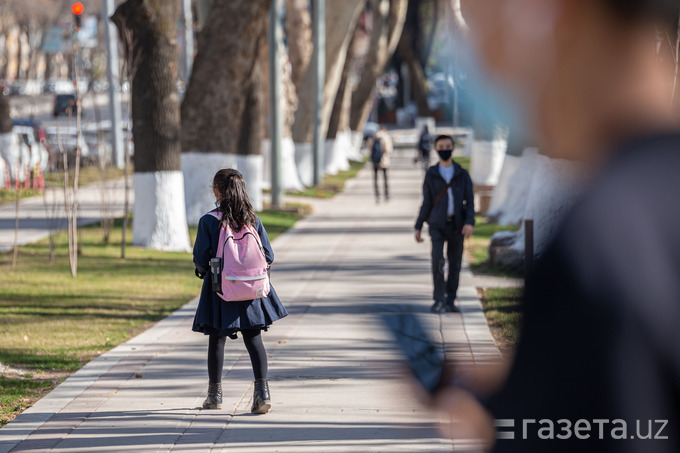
(77, 9)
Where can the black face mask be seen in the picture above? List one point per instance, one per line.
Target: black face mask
(445, 154)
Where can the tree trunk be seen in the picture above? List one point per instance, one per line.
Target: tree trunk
(408, 51)
(388, 23)
(337, 114)
(299, 32)
(251, 132)
(288, 103)
(338, 144)
(418, 84)
(340, 18)
(159, 211)
(222, 117)
(5, 118)
(428, 42)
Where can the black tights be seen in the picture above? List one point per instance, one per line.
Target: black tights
(253, 341)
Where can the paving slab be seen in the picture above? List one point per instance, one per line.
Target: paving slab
(337, 380)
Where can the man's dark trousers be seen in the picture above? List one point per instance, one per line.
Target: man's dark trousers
(445, 290)
(377, 169)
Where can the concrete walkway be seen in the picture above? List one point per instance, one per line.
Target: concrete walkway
(39, 215)
(337, 382)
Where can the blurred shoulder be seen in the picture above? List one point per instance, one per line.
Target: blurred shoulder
(621, 237)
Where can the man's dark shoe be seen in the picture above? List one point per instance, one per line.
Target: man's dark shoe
(437, 307)
(450, 307)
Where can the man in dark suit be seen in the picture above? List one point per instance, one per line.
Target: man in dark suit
(448, 208)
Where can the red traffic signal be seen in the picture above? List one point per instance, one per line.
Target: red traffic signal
(77, 8)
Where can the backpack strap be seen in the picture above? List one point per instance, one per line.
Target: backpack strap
(220, 241)
(439, 197)
(226, 231)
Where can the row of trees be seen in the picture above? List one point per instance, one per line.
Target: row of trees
(223, 117)
(24, 26)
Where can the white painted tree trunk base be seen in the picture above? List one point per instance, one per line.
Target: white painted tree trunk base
(4, 173)
(554, 185)
(467, 137)
(486, 161)
(252, 169)
(336, 153)
(199, 170)
(14, 155)
(357, 139)
(159, 212)
(304, 160)
(329, 154)
(291, 180)
(335, 156)
(510, 194)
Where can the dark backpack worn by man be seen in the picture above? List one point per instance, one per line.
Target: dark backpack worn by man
(448, 208)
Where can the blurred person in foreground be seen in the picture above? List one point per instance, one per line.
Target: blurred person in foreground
(600, 341)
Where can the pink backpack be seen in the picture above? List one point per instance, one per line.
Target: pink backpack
(244, 266)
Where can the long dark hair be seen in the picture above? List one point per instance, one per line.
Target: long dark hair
(234, 203)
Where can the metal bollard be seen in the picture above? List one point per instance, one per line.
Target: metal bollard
(528, 248)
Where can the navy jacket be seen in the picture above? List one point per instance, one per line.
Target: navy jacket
(463, 199)
(214, 315)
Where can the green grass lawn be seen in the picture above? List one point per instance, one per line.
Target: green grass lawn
(52, 324)
(331, 185)
(87, 175)
(502, 308)
(463, 162)
(10, 196)
(477, 248)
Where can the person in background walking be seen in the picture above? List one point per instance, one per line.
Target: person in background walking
(448, 208)
(425, 147)
(220, 319)
(380, 147)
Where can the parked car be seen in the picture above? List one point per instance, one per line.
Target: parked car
(64, 104)
(67, 140)
(58, 86)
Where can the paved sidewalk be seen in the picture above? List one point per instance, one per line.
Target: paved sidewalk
(336, 379)
(37, 215)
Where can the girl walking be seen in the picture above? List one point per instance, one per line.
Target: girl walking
(220, 319)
